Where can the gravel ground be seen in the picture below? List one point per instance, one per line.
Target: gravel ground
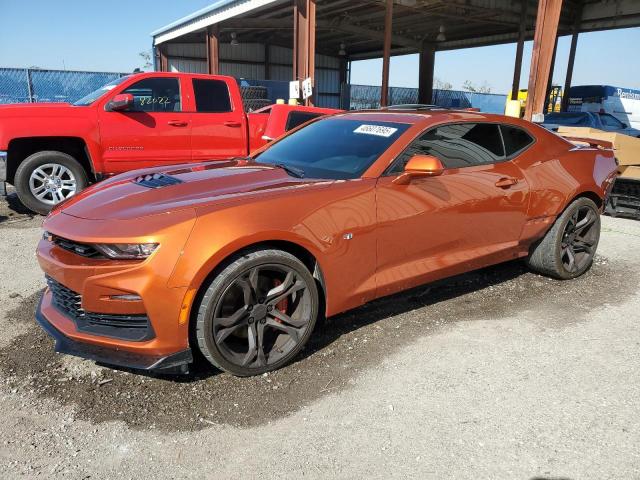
(495, 374)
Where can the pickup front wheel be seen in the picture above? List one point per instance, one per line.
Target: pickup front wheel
(46, 178)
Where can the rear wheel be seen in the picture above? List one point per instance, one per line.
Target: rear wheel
(258, 313)
(47, 178)
(568, 248)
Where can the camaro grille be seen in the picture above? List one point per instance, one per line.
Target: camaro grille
(77, 248)
(127, 327)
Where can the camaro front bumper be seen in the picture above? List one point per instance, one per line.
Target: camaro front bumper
(176, 363)
(117, 312)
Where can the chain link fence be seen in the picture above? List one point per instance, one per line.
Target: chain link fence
(25, 85)
(368, 96)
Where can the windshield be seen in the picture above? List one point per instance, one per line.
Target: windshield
(334, 148)
(96, 94)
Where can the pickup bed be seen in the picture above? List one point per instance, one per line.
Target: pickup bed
(50, 151)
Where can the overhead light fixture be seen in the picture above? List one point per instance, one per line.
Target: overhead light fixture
(342, 52)
(234, 39)
(441, 36)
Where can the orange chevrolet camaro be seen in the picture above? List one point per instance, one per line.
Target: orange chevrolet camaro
(236, 260)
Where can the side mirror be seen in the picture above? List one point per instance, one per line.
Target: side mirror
(120, 103)
(420, 166)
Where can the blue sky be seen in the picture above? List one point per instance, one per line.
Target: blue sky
(108, 36)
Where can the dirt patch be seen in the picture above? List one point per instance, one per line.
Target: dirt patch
(14, 214)
(341, 348)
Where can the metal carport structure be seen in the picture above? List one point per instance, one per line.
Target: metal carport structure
(296, 39)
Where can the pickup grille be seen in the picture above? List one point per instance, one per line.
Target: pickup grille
(125, 327)
(156, 180)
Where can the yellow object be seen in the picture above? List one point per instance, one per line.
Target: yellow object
(554, 104)
(293, 101)
(280, 101)
(513, 108)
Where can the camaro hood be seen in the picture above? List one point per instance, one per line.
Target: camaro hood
(162, 190)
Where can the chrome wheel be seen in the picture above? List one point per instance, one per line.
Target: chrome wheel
(579, 239)
(262, 316)
(52, 183)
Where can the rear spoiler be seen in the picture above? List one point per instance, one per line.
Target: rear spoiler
(592, 142)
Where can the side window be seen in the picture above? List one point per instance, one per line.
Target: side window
(457, 146)
(515, 139)
(610, 121)
(212, 96)
(156, 95)
(296, 119)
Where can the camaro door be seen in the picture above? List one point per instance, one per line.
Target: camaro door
(470, 216)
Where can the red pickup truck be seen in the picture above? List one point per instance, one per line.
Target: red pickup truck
(50, 151)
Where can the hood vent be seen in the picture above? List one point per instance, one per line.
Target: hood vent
(156, 180)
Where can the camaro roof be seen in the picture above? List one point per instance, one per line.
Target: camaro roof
(423, 115)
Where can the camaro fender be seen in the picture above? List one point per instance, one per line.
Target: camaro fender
(338, 230)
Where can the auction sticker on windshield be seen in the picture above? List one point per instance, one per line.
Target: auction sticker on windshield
(377, 130)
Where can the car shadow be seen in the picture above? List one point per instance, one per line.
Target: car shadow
(328, 331)
(550, 478)
(12, 209)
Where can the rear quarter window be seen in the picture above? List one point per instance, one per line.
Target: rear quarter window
(515, 139)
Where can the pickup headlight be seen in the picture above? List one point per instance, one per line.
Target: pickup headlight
(126, 251)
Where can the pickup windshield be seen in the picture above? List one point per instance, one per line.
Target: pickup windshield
(96, 94)
(333, 148)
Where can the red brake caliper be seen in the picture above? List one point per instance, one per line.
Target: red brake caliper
(282, 305)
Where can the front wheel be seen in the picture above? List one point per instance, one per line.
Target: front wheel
(257, 313)
(47, 178)
(568, 248)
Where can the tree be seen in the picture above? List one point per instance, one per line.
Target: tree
(441, 85)
(146, 58)
(469, 86)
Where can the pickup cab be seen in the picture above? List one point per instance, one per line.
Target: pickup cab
(51, 151)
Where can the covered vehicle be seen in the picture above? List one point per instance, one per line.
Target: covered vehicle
(600, 120)
(237, 260)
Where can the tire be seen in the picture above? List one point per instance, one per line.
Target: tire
(243, 313)
(253, 93)
(566, 240)
(255, 104)
(30, 178)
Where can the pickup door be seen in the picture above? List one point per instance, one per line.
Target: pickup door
(218, 121)
(155, 131)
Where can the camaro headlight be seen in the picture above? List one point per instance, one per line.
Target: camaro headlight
(126, 251)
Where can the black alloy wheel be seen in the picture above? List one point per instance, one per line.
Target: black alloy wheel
(567, 250)
(258, 313)
(579, 239)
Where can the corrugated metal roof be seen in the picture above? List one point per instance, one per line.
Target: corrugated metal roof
(215, 13)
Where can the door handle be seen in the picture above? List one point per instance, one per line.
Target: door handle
(231, 123)
(506, 182)
(177, 123)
